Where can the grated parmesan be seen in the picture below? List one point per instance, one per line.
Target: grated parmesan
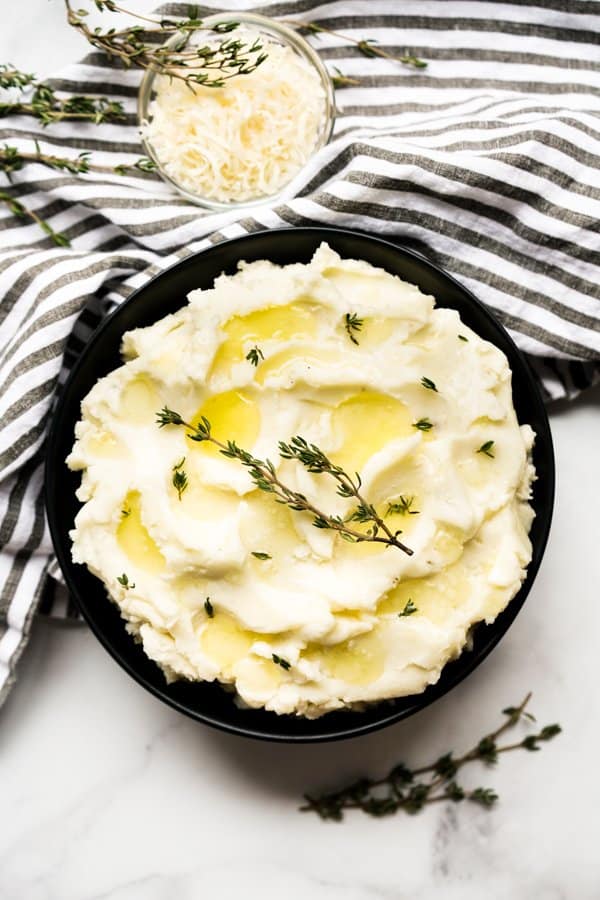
(243, 141)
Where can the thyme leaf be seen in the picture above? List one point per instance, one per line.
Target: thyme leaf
(408, 610)
(280, 661)
(124, 580)
(487, 449)
(423, 425)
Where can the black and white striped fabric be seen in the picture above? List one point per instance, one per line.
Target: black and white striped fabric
(486, 161)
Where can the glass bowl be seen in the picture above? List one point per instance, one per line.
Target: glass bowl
(277, 33)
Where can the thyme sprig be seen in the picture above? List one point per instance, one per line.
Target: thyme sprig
(264, 476)
(46, 106)
(209, 64)
(13, 159)
(280, 661)
(409, 609)
(125, 582)
(179, 477)
(402, 506)
(339, 80)
(11, 77)
(429, 384)
(405, 789)
(18, 209)
(254, 355)
(353, 323)
(366, 46)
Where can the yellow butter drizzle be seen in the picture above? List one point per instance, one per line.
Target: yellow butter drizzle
(233, 416)
(134, 538)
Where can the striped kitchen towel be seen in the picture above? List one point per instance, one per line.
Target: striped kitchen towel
(486, 161)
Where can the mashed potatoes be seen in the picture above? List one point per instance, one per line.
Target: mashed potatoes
(221, 582)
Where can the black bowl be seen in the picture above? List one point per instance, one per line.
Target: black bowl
(166, 293)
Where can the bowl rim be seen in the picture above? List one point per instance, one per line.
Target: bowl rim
(298, 43)
(432, 692)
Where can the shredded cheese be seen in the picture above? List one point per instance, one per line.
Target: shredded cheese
(243, 141)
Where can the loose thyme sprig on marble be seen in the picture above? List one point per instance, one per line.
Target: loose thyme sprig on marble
(209, 65)
(315, 461)
(405, 789)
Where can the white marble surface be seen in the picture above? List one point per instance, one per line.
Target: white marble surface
(105, 793)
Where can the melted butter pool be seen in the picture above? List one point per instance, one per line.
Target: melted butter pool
(281, 323)
(359, 660)
(135, 540)
(234, 416)
(364, 424)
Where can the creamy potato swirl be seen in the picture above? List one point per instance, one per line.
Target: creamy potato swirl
(336, 613)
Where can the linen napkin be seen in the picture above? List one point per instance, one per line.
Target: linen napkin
(486, 161)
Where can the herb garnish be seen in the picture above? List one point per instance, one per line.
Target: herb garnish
(429, 384)
(206, 64)
(487, 449)
(124, 580)
(44, 105)
(405, 789)
(260, 555)
(315, 461)
(423, 425)
(367, 46)
(210, 611)
(353, 323)
(461, 337)
(254, 355)
(12, 160)
(179, 479)
(408, 610)
(126, 511)
(143, 164)
(402, 506)
(340, 80)
(279, 661)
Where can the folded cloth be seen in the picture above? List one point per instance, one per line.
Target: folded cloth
(486, 161)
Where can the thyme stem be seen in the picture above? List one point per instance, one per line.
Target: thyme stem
(405, 789)
(367, 46)
(265, 477)
(228, 58)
